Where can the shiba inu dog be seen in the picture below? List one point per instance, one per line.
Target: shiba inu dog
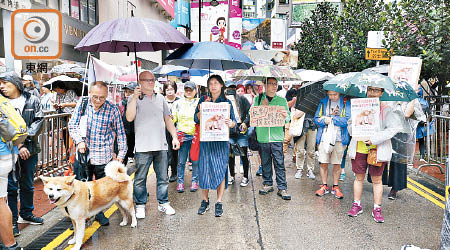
(80, 200)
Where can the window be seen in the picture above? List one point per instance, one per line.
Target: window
(92, 12)
(53, 4)
(75, 9)
(65, 7)
(84, 11)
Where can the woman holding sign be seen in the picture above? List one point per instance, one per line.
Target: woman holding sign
(372, 153)
(214, 154)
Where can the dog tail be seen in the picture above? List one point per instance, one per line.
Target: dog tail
(117, 171)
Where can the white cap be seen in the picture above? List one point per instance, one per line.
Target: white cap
(27, 78)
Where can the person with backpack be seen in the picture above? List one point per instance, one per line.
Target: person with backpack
(29, 107)
(271, 142)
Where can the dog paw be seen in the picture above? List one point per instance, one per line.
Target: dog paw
(71, 241)
(133, 225)
(123, 223)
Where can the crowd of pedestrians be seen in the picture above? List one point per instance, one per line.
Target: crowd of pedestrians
(160, 128)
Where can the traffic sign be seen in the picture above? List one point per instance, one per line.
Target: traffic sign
(377, 54)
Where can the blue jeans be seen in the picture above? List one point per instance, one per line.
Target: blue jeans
(273, 152)
(183, 153)
(143, 162)
(24, 182)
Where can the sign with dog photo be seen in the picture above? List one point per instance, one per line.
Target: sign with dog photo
(365, 117)
(267, 116)
(212, 121)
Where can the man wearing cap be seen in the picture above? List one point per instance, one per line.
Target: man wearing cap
(30, 108)
(28, 82)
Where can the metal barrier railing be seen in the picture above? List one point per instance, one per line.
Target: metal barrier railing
(437, 141)
(54, 142)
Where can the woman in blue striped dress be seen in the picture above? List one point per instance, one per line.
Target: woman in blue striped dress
(214, 155)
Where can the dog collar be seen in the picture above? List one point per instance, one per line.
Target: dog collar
(65, 208)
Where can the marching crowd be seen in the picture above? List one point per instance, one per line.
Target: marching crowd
(162, 129)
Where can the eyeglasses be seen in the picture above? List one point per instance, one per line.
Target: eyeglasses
(98, 98)
(272, 83)
(374, 90)
(147, 80)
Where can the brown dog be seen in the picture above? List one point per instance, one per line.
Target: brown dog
(80, 200)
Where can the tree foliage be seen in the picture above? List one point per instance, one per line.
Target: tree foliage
(336, 43)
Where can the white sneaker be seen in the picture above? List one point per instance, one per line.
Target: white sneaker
(140, 211)
(166, 208)
(299, 174)
(231, 180)
(311, 175)
(244, 182)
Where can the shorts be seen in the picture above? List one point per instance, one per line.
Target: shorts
(5, 168)
(359, 166)
(335, 157)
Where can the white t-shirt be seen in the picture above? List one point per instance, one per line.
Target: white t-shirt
(18, 103)
(333, 110)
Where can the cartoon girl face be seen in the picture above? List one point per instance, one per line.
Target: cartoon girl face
(221, 23)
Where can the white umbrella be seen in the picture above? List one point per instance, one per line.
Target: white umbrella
(312, 75)
(68, 68)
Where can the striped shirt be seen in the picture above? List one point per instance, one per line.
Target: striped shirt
(102, 126)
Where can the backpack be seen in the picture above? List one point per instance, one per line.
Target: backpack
(425, 106)
(12, 126)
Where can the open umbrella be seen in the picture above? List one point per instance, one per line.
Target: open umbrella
(355, 84)
(309, 96)
(68, 68)
(262, 72)
(66, 82)
(165, 69)
(132, 34)
(312, 75)
(210, 56)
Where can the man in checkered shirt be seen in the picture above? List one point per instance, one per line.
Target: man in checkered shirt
(96, 130)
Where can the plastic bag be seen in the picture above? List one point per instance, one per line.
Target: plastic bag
(329, 138)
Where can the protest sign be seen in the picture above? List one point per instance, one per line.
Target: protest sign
(267, 116)
(407, 69)
(212, 121)
(365, 117)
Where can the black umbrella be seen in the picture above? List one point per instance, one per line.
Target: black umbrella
(65, 82)
(309, 96)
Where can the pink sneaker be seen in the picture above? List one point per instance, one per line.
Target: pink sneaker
(180, 187)
(377, 216)
(194, 186)
(355, 210)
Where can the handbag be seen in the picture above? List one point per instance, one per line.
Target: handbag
(372, 158)
(195, 146)
(296, 127)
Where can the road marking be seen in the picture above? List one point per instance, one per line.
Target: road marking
(88, 231)
(426, 189)
(426, 196)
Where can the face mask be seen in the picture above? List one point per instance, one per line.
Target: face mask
(184, 80)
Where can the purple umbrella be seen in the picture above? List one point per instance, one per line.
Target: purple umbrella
(132, 34)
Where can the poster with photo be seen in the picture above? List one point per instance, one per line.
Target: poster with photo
(256, 34)
(212, 121)
(407, 69)
(214, 21)
(365, 117)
